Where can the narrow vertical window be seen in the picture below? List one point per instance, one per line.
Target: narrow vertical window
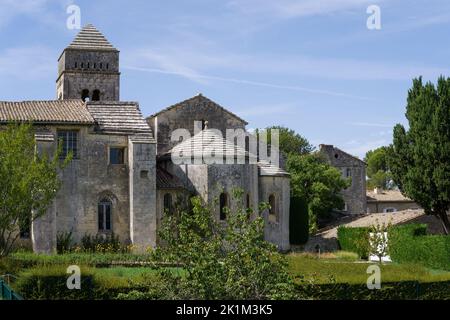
(85, 95)
(96, 95)
(223, 205)
(104, 215)
(68, 140)
(272, 209)
(168, 203)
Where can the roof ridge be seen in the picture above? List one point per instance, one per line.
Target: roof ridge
(89, 37)
(199, 95)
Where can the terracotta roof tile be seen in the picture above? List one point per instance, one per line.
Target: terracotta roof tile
(51, 111)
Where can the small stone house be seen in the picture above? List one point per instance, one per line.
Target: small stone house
(350, 167)
(122, 179)
(388, 201)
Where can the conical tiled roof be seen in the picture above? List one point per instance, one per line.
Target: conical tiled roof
(90, 38)
(210, 143)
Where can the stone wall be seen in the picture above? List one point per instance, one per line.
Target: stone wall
(91, 70)
(380, 206)
(355, 195)
(184, 115)
(276, 231)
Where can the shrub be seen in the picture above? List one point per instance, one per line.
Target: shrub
(406, 290)
(102, 243)
(432, 251)
(298, 221)
(407, 244)
(354, 240)
(50, 283)
(64, 242)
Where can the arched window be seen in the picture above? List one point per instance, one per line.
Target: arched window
(168, 203)
(82, 65)
(96, 95)
(273, 208)
(104, 215)
(101, 65)
(85, 95)
(223, 205)
(76, 65)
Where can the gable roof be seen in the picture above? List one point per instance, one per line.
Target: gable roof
(118, 117)
(325, 147)
(50, 111)
(90, 38)
(207, 140)
(387, 196)
(108, 117)
(197, 99)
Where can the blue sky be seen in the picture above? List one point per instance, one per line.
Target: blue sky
(311, 65)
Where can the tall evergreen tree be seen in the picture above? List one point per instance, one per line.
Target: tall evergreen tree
(419, 157)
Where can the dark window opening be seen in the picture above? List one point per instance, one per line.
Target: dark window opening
(68, 140)
(89, 65)
(272, 209)
(336, 155)
(104, 215)
(101, 65)
(144, 174)
(96, 95)
(168, 203)
(85, 95)
(82, 65)
(117, 155)
(95, 65)
(76, 64)
(223, 205)
(107, 66)
(247, 201)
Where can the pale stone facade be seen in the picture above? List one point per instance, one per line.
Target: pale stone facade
(350, 167)
(121, 179)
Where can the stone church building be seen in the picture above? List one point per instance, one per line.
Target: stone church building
(122, 179)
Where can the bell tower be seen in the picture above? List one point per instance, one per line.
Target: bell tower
(88, 68)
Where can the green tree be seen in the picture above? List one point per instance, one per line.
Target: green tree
(314, 180)
(377, 169)
(220, 260)
(419, 157)
(290, 141)
(28, 182)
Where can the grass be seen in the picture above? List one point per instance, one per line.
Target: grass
(343, 267)
(28, 259)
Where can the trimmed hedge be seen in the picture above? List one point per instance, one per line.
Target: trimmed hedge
(298, 221)
(407, 290)
(50, 283)
(407, 244)
(432, 251)
(350, 238)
